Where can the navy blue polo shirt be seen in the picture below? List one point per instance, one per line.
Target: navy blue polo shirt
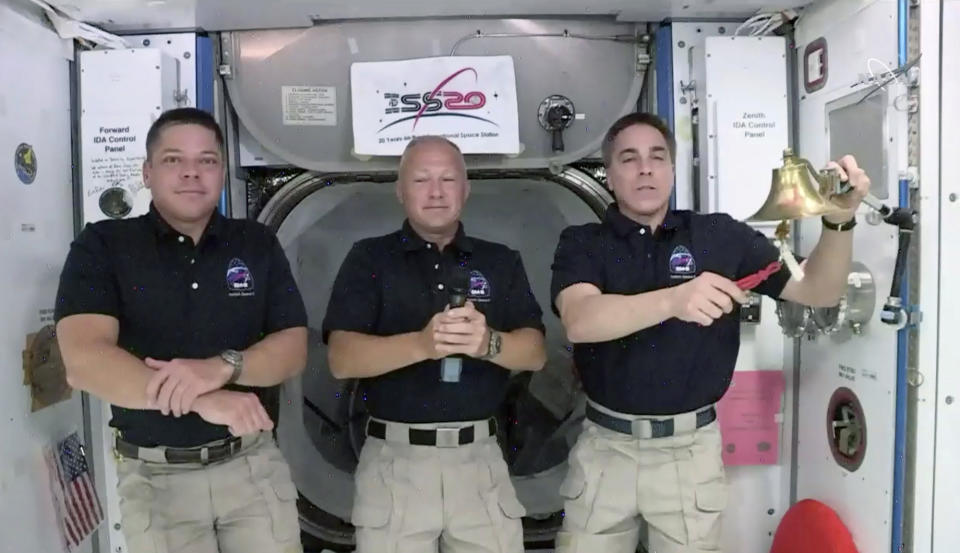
(676, 366)
(394, 284)
(174, 299)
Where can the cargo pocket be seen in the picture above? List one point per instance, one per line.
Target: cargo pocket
(709, 488)
(138, 504)
(712, 497)
(503, 507)
(574, 482)
(711, 500)
(579, 487)
(272, 476)
(372, 498)
(506, 496)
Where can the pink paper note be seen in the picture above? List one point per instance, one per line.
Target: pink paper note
(748, 418)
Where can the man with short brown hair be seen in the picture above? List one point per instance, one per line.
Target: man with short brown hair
(186, 321)
(649, 299)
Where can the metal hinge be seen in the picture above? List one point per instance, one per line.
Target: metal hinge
(913, 103)
(225, 71)
(914, 316)
(643, 60)
(913, 76)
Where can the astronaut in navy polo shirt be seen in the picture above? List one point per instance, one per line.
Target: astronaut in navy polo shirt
(649, 299)
(433, 369)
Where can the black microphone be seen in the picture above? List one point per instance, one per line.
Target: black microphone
(458, 283)
(459, 286)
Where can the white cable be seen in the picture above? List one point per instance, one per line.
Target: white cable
(71, 29)
(897, 102)
(751, 22)
(761, 24)
(774, 23)
(791, 262)
(751, 27)
(888, 73)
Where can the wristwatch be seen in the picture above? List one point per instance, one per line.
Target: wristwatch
(493, 345)
(233, 358)
(844, 226)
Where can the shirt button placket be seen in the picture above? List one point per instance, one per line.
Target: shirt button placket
(435, 257)
(192, 269)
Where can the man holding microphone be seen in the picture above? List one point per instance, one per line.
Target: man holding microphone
(431, 474)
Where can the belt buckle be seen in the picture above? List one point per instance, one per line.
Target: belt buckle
(641, 428)
(448, 437)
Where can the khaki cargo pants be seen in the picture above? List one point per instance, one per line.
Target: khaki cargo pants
(244, 504)
(676, 484)
(418, 498)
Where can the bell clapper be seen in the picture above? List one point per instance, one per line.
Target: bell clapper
(781, 234)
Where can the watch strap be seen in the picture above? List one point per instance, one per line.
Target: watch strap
(841, 227)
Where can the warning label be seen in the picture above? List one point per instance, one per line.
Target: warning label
(310, 105)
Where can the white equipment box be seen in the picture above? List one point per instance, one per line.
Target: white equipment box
(122, 92)
(746, 121)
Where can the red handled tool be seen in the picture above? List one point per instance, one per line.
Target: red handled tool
(750, 282)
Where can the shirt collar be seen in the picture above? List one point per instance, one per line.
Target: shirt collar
(623, 225)
(163, 229)
(413, 241)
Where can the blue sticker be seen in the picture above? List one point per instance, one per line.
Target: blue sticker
(682, 262)
(479, 286)
(239, 278)
(25, 162)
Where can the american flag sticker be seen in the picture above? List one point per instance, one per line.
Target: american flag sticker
(74, 495)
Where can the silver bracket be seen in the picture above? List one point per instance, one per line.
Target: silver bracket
(913, 76)
(181, 97)
(912, 176)
(913, 103)
(914, 318)
(643, 60)
(689, 90)
(225, 71)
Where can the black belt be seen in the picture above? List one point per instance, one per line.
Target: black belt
(419, 436)
(174, 455)
(659, 428)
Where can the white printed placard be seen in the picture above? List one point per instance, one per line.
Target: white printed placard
(309, 105)
(472, 100)
(114, 148)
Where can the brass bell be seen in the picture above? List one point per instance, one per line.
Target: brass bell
(793, 194)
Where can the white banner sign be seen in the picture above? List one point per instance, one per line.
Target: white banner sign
(470, 100)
